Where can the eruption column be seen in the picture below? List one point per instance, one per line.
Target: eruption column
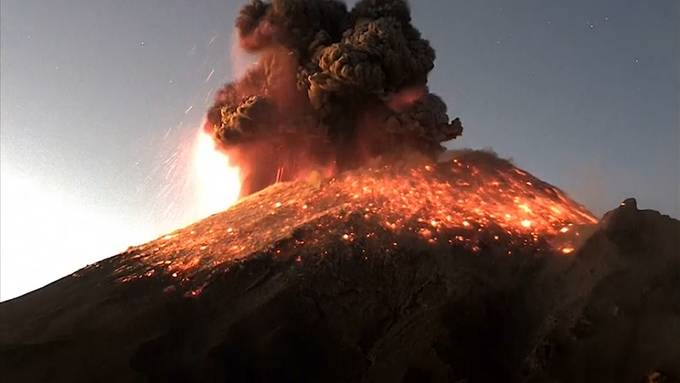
(331, 88)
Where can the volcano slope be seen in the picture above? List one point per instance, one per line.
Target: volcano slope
(470, 270)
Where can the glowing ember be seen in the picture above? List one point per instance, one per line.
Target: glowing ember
(477, 202)
(219, 183)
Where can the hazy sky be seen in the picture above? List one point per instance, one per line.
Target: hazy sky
(100, 100)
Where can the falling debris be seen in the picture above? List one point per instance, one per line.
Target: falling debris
(212, 40)
(212, 72)
(471, 200)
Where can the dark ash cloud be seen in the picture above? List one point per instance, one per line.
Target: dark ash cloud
(332, 88)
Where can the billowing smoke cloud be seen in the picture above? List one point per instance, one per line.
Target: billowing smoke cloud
(331, 89)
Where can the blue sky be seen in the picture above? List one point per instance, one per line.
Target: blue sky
(99, 97)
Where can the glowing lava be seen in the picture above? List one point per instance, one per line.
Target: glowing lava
(475, 202)
(218, 182)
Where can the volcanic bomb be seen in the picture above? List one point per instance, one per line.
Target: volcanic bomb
(332, 89)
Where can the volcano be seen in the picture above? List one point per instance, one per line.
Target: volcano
(467, 270)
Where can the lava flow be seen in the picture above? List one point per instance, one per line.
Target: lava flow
(475, 201)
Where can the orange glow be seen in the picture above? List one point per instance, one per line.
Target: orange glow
(218, 182)
(463, 203)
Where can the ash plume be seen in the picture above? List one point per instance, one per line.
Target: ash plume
(332, 89)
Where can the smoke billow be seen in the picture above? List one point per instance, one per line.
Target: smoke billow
(332, 88)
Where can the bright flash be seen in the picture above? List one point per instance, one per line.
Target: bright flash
(219, 182)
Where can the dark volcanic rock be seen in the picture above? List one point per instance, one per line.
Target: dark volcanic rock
(348, 312)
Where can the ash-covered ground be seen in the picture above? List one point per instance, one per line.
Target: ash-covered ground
(363, 278)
